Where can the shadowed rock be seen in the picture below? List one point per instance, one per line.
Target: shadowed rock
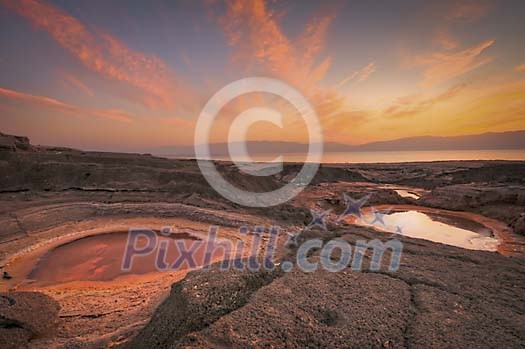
(25, 316)
(14, 143)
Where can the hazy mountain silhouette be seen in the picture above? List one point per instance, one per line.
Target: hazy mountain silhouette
(491, 140)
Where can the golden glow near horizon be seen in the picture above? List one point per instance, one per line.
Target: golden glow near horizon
(140, 82)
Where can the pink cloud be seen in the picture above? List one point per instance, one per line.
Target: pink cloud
(53, 104)
(73, 81)
(361, 75)
(520, 67)
(254, 30)
(103, 53)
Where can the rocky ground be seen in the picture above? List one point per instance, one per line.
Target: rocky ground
(440, 296)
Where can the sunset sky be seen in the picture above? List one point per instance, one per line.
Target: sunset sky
(126, 75)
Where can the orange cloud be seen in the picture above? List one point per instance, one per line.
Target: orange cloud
(496, 108)
(496, 105)
(72, 81)
(445, 39)
(261, 46)
(367, 71)
(520, 67)
(50, 103)
(411, 105)
(361, 75)
(253, 29)
(443, 66)
(102, 52)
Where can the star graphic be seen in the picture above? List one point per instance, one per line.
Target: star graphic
(353, 207)
(318, 219)
(292, 239)
(398, 231)
(379, 215)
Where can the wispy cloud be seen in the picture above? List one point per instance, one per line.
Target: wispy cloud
(254, 30)
(70, 80)
(261, 46)
(443, 66)
(416, 105)
(56, 105)
(360, 75)
(447, 58)
(445, 39)
(520, 67)
(103, 53)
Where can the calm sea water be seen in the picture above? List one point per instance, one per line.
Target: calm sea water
(400, 156)
(432, 155)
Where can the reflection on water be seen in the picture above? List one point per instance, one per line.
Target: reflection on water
(419, 225)
(406, 194)
(99, 258)
(423, 155)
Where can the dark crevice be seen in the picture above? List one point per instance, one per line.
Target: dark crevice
(415, 311)
(90, 316)
(20, 226)
(13, 191)
(10, 324)
(414, 307)
(112, 190)
(413, 281)
(10, 300)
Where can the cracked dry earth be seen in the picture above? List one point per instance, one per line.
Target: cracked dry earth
(441, 296)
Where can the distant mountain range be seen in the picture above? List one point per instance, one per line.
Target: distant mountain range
(491, 140)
